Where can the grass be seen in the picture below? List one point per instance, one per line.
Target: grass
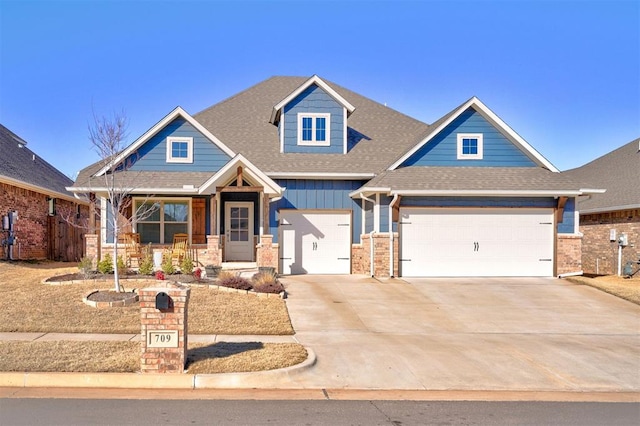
(30, 306)
(624, 288)
(124, 357)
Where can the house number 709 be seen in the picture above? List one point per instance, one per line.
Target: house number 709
(162, 339)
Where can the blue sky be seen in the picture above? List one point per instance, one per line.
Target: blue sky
(565, 75)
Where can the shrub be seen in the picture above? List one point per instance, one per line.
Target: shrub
(236, 282)
(146, 263)
(160, 275)
(167, 265)
(105, 266)
(86, 266)
(197, 274)
(186, 266)
(268, 287)
(223, 275)
(122, 268)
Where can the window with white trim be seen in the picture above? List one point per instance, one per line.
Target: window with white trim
(314, 129)
(157, 221)
(469, 146)
(179, 149)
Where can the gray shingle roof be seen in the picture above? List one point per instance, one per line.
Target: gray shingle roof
(143, 181)
(23, 165)
(619, 173)
(242, 123)
(473, 179)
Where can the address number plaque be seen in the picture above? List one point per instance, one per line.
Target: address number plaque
(162, 338)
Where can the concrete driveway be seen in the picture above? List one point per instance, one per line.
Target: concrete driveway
(527, 334)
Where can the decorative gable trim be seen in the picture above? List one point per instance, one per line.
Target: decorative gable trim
(496, 121)
(222, 176)
(277, 109)
(177, 112)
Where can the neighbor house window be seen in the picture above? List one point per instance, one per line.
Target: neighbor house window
(157, 221)
(179, 150)
(469, 146)
(313, 129)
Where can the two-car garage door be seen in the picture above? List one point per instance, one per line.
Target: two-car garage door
(476, 242)
(315, 242)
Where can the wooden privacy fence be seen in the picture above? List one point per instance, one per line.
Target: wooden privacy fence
(65, 241)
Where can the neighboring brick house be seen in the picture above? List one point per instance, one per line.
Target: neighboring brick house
(31, 187)
(618, 209)
(310, 177)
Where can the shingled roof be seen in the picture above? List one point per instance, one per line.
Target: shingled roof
(619, 173)
(376, 134)
(19, 166)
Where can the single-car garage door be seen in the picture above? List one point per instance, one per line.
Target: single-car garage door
(315, 242)
(444, 242)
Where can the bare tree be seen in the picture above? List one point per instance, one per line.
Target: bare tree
(108, 135)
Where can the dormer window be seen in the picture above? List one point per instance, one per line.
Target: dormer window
(179, 150)
(469, 146)
(314, 129)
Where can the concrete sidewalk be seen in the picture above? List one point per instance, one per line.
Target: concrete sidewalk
(87, 337)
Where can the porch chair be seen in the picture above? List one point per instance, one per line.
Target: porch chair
(132, 248)
(180, 248)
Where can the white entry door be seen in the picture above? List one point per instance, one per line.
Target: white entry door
(239, 232)
(476, 242)
(315, 242)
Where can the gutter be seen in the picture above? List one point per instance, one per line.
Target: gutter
(571, 274)
(371, 245)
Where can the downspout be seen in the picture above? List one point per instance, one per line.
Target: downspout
(371, 248)
(391, 205)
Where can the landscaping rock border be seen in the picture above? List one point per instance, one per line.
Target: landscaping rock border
(130, 300)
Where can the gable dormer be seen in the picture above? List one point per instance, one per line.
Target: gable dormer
(472, 136)
(312, 119)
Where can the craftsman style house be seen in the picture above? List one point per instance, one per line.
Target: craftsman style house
(309, 177)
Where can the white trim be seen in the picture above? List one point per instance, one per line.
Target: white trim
(491, 117)
(487, 192)
(607, 209)
(162, 200)
(368, 190)
(323, 175)
(222, 175)
(314, 120)
(171, 158)
(344, 131)
(177, 112)
(275, 113)
(479, 139)
(281, 136)
(376, 214)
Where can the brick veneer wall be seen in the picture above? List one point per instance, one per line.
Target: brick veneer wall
(599, 255)
(569, 251)
(164, 360)
(31, 228)
(361, 255)
(267, 252)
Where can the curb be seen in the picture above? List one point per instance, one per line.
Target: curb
(156, 381)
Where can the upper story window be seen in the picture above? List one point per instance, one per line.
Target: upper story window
(179, 150)
(314, 129)
(469, 146)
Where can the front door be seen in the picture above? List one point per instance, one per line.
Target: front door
(239, 232)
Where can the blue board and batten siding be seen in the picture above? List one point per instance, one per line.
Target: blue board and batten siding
(442, 150)
(304, 194)
(152, 156)
(567, 226)
(313, 100)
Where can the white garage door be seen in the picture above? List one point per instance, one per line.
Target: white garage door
(315, 242)
(476, 242)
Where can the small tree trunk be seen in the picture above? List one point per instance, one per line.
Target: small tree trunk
(116, 274)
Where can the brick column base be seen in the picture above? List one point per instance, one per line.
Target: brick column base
(267, 252)
(361, 255)
(92, 248)
(569, 253)
(164, 331)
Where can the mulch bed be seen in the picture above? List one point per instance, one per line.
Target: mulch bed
(77, 276)
(110, 296)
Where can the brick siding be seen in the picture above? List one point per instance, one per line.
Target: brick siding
(599, 255)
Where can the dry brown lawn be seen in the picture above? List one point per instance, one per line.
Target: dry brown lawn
(624, 288)
(124, 357)
(30, 306)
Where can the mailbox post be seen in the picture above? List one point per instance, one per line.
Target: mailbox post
(163, 318)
